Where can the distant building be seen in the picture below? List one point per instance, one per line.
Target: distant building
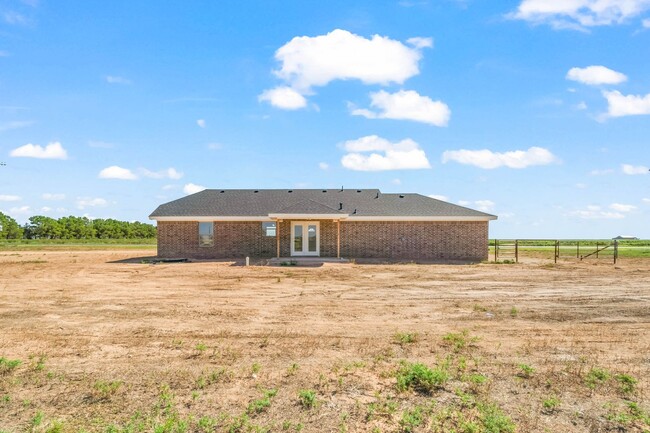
(625, 238)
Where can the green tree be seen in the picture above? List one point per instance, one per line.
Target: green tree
(9, 228)
(42, 227)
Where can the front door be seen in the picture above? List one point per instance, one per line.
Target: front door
(305, 238)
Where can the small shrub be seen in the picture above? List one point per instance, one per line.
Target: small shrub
(307, 398)
(37, 419)
(421, 378)
(200, 347)
(56, 427)
(256, 367)
(514, 312)
(207, 424)
(477, 379)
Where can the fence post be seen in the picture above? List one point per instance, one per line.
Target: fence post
(496, 247)
(597, 249)
(516, 251)
(615, 251)
(557, 250)
(578, 251)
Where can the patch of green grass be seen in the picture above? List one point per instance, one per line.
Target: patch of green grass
(494, 420)
(514, 312)
(551, 404)
(256, 367)
(37, 419)
(525, 370)
(597, 376)
(200, 347)
(460, 340)
(307, 398)
(106, 389)
(7, 365)
(55, 427)
(627, 383)
(421, 378)
(207, 424)
(406, 337)
(411, 419)
(477, 379)
(260, 405)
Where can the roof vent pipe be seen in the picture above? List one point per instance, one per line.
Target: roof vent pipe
(340, 206)
(377, 196)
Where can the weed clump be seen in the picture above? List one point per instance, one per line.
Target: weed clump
(421, 378)
(307, 398)
(7, 365)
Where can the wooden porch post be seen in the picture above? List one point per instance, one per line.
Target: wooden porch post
(338, 239)
(277, 237)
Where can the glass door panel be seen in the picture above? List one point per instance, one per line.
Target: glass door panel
(297, 238)
(311, 238)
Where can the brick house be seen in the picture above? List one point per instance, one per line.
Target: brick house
(351, 223)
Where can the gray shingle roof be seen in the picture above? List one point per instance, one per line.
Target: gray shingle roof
(355, 202)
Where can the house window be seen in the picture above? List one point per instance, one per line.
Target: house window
(268, 229)
(206, 234)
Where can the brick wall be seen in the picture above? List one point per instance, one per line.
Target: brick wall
(415, 240)
(231, 239)
(390, 240)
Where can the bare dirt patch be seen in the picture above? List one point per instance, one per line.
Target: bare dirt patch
(109, 344)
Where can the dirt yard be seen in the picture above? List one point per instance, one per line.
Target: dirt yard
(108, 343)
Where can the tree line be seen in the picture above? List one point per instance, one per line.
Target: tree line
(72, 227)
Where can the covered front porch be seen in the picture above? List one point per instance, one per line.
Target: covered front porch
(308, 235)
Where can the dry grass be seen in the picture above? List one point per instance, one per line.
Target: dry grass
(112, 346)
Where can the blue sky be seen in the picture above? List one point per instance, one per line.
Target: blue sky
(536, 111)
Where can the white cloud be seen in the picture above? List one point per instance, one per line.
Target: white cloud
(603, 172)
(50, 196)
(46, 209)
(513, 159)
(169, 187)
(439, 197)
(420, 43)
(113, 79)
(622, 207)
(21, 210)
(646, 23)
(406, 105)
(634, 169)
(579, 14)
(15, 124)
(282, 97)
(485, 205)
(84, 202)
(595, 75)
(619, 105)
(582, 105)
(323, 165)
(396, 181)
(53, 150)
(8, 197)
(596, 212)
(169, 173)
(482, 205)
(115, 172)
(201, 123)
(403, 155)
(340, 55)
(191, 188)
(645, 200)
